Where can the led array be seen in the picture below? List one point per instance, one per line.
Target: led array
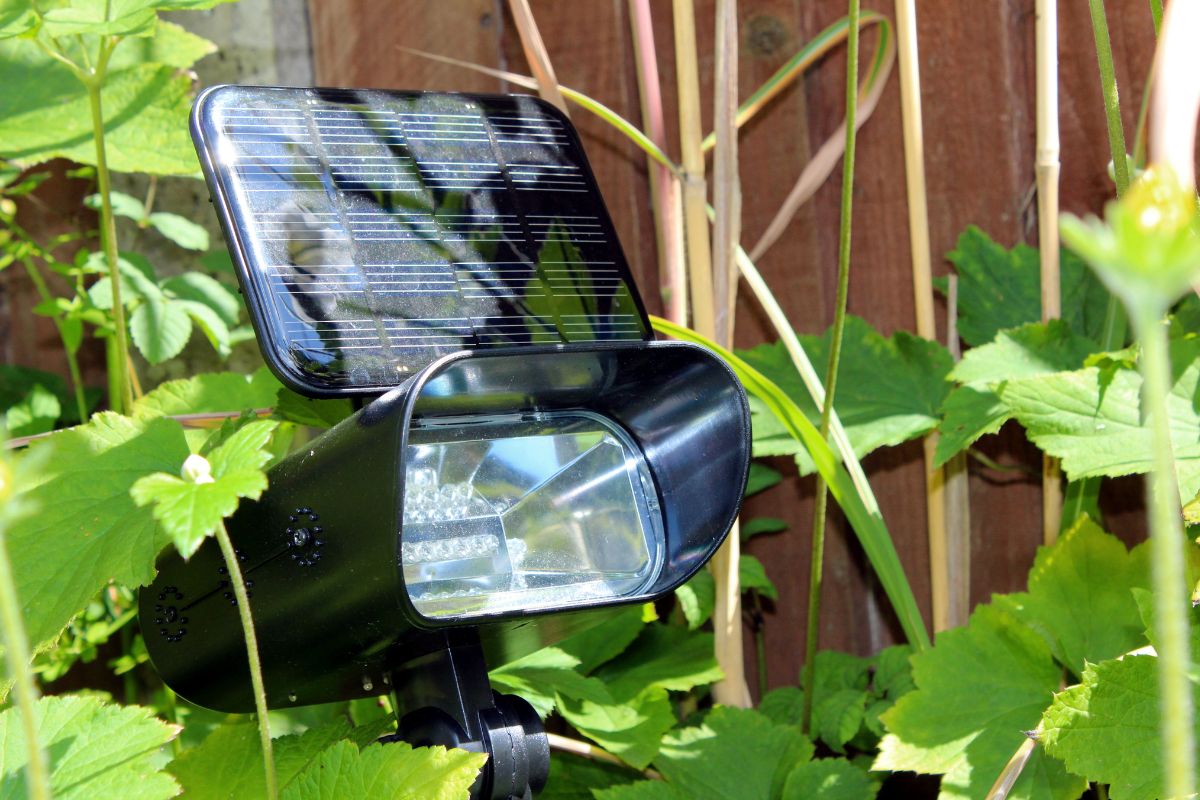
(425, 501)
(447, 549)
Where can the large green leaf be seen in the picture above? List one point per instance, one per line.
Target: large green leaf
(228, 764)
(160, 328)
(1081, 597)
(190, 510)
(1000, 288)
(975, 409)
(88, 531)
(1092, 418)
(210, 393)
(393, 770)
(574, 777)
(978, 689)
(829, 779)
(201, 288)
(631, 729)
(665, 656)
(170, 45)
(35, 413)
(100, 18)
(95, 750)
(890, 390)
(734, 753)
(44, 113)
(1107, 727)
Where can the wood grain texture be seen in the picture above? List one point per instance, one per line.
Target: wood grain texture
(977, 70)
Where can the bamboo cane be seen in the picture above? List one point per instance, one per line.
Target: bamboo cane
(1047, 166)
(945, 582)
(958, 497)
(664, 189)
(536, 54)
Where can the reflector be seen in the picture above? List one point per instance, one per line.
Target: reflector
(508, 514)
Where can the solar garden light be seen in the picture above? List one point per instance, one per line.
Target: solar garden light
(525, 456)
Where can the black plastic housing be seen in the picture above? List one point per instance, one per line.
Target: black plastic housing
(333, 617)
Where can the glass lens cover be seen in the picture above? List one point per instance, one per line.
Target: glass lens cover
(509, 514)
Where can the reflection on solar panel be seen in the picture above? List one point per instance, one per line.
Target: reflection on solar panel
(376, 231)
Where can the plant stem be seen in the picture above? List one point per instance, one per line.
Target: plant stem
(43, 290)
(812, 635)
(120, 397)
(1101, 791)
(1156, 11)
(1108, 86)
(1168, 559)
(256, 679)
(16, 653)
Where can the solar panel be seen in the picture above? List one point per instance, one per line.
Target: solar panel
(375, 231)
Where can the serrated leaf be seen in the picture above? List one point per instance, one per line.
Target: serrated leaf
(829, 779)
(392, 770)
(44, 113)
(160, 328)
(1080, 595)
(543, 677)
(100, 18)
(1107, 727)
(975, 409)
(642, 790)
(180, 230)
(978, 689)
(630, 729)
(16, 18)
(201, 288)
(891, 389)
(734, 753)
(228, 764)
(753, 575)
(209, 322)
(210, 393)
(171, 45)
(892, 676)
(137, 280)
(664, 656)
(1000, 288)
(697, 599)
(88, 531)
(189, 511)
(839, 716)
(783, 706)
(95, 750)
(1092, 418)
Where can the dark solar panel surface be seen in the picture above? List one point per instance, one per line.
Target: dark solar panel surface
(376, 231)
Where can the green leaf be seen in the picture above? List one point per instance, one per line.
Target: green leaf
(753, 575)
(160, 328)
(101, 18)
(393, 770)
(16, 18)
(228, 764)
(783, 706)
(1080, 595)
(978, 689)
(190, 511)
(88, 531)
(95, 750)
(838, 717)
(36, 413)
(1092, 418)
(1107, 728)
(642, 790)
(17, 382)
(890, 390)
(975, 409)
(137, 280)
(180, 230)
(170, 45)
(734, 753)
(759, 525)
(545, 676)
(631, 729)
(574, 778)
(999, 289)
(761, 478)
(201, 288)
(829, 779)
(123, 205)
(892, 676)
(210, 393)
(44, 113)
(209, 322)
(697, 599)
(665, 656)
(308, 411)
